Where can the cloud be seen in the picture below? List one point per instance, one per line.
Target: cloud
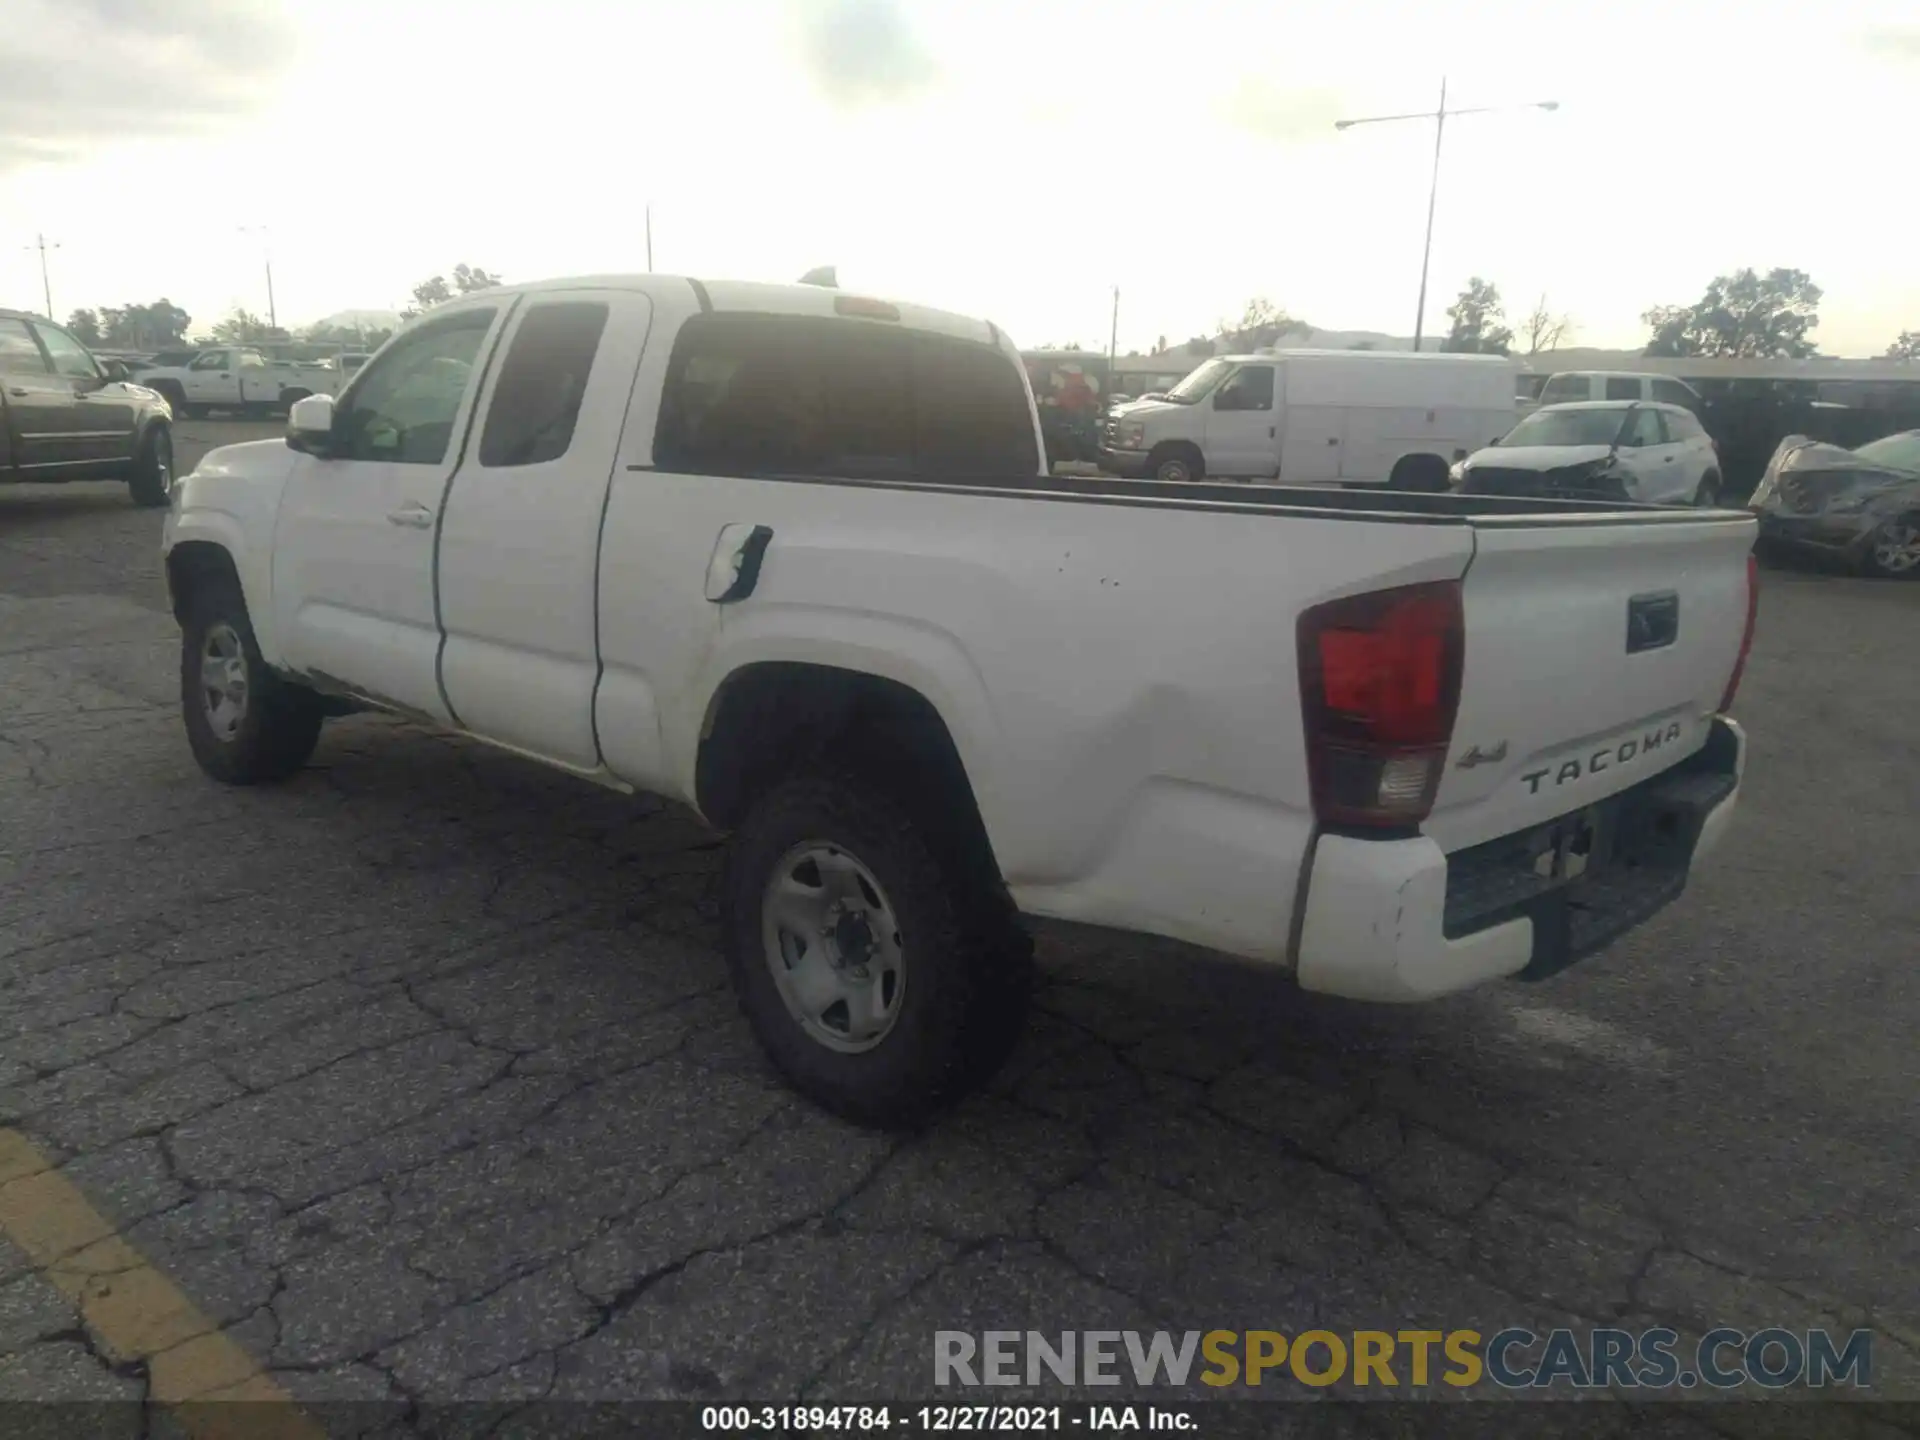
(1894, 42)
(1275, 112)
(76, 74)
(863, 52)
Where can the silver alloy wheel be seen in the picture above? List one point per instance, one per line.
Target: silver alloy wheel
(1896, 546)
(223, 681)
(833, 947)
(163, 460)
(1173, 472)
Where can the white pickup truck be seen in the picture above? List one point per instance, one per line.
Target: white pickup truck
(238, 377)
(788, 555)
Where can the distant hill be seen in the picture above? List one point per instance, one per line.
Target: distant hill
(364, 319)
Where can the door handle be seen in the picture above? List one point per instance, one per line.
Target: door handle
(417, 517)
(735, 567)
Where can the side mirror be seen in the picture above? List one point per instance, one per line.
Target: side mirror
(310, 425)
(115, 370)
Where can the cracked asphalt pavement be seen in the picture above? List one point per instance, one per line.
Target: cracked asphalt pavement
(420, 1075)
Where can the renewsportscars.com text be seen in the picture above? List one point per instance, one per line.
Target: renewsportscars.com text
(1656, 1358)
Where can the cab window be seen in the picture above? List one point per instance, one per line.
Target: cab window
(403, 406)
(1251, 388)
(1623, 387)
(212, 360)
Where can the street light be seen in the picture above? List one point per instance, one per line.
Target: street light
(266, 252)
(1439, 118)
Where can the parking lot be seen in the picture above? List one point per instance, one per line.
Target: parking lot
(420, 1075)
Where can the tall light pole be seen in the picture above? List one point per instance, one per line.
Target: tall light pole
(1439, 118)
(649, 239)
(266, 254)
(42, 244)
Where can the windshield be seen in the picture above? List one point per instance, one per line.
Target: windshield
(1902, 452)
(1199, 382)
(1567, 427)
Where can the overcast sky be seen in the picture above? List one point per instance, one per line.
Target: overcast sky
(1009, 160)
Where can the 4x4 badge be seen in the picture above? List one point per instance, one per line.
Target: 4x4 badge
(1477, 756)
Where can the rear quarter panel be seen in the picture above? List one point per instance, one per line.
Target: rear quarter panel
(1119, 679)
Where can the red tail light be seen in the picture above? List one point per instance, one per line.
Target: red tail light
(1746, 635)
(1379, 685)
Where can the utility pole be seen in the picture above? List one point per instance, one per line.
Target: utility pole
(1113, 338)
(266, 253)
(42, 244)
(1439, 118)
(649, 239)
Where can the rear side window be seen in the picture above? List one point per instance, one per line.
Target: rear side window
(1672, 392)
(1681, 425)
(970, 410)
(788, 394)
(536, 401)
(1623, 387)
(1562, 388)
(18, 354)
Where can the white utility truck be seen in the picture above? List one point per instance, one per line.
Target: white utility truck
(1317, 417)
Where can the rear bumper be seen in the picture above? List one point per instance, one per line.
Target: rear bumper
(1842, 534)
(1401, 920)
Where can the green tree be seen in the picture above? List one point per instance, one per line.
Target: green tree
(1907, 347)
(243, 327)
(85, 325)
(469, 278)
(1476, 318)
(1261, 323)
(152, 326)
(1744, 315)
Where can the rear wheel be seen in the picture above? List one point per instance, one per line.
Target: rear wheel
(1893, 550)
(881, 980)
(150, 481)
(176, 397)
(1708, 495)
(245, 725)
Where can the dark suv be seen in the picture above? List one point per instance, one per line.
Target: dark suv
(65, 415)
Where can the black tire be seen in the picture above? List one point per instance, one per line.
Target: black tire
(150, 481)
(966, 965)
(1420, 475)
(291, 397)
(279, 724)
(1879, 564)
(175, 397)
(1176, 464)
(1708, 495)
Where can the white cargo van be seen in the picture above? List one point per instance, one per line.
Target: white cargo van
(1317, 417)
(1570, 387)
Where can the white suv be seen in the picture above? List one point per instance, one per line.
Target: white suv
(1601, 450)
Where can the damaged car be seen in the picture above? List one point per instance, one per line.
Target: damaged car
(1601, 450)
(1861, 506)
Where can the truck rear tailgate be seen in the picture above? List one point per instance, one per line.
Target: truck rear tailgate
(1596, 655)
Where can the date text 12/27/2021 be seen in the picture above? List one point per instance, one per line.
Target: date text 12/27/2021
(945, 1419)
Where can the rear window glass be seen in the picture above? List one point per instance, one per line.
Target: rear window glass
(809, 395)
(543, 379)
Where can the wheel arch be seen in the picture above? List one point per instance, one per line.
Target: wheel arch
(769, 718)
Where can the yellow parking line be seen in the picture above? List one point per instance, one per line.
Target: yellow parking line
(135, 1312)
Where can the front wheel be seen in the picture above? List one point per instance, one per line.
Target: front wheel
(245, 725)
(150, 482)
(1893, 550)
(1176, 465)
(878, 982)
